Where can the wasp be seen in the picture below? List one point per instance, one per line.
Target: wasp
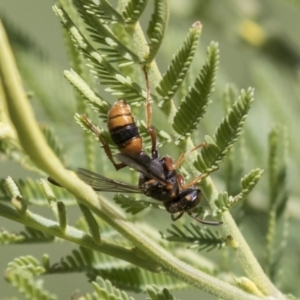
(158, 176)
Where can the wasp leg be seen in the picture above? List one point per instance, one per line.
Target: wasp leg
(183, 186)
(204, 222)
(184, 155)
(150, 128)
(177, 216)
(105, 146)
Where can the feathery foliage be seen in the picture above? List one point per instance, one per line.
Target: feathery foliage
(198, 238)
(93, 15)
(27, 286)
(133, 205)
(21, 272)
(235, 162)
(194, 104)
(10, 238)
(179, 65)
(277, 225)
(226, 134)
(106, 291)
(134, 10)
(118, 84)
(225, 202)
(86, 260)
(33, 192)
(157, 27)
(248, 182)
(93, 99)
(156, 293)
(136, 279)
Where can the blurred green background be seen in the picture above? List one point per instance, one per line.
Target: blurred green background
(259, 47)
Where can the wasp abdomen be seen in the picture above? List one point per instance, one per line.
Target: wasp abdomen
(123, 129)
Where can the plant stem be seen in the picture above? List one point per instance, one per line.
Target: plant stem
(78, 237)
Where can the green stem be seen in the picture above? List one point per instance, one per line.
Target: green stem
(77, 236)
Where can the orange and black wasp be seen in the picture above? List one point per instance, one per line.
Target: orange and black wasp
(158, 176)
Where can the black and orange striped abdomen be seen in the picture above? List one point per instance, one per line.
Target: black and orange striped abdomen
(123, 130)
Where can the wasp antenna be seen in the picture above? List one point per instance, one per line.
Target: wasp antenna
(204, 222)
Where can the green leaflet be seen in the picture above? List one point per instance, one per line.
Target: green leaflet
(134, 10)
(226, 135)
(7, 238)
(157, 27)
(156, 293)
(95, 16)
(134, 206)
(93, 99)
(120, 86)
(278, 196)
(137, 279)
(179, 65)
(86, 260)
(104, 290)
(196, 101)
(200, 238)
(248, 182)
(21, 272)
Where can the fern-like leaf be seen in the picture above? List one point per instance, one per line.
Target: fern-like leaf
(195, 103)
(156, 293)
(136, 279)
(92, 15)
(201, 237)
(179, 65)
(235, 162)
(120, 86)
(226, 134)
(134, 10)
(31, 235)
(248, 182)
(277, 225)
(93, 99)
(134, 206)
(223, 203)
(104, 290)
(20, 274)
(86, 260)
(7, 238)
(157, 27)
(33, 192)
(28, 263)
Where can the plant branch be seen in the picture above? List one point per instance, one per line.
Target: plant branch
(35, 145)
(77, 236)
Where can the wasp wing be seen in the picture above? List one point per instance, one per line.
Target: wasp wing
(142, 163)
(101, 183)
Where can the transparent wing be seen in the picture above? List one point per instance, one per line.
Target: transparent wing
(101, 183)
(142, 163)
